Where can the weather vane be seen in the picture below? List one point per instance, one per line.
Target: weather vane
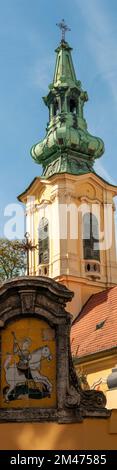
(63, 28)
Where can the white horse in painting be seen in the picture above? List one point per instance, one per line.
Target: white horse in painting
(15, 377)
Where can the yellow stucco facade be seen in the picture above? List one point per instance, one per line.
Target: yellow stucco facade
(62, 200)
(97, 368)
(90, 434)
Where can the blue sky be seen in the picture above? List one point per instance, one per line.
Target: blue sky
(28, 38)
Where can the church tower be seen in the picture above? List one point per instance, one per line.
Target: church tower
(70, 209)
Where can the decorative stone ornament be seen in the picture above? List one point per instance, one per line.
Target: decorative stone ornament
(37, 378)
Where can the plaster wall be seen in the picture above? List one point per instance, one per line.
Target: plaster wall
(90, 434)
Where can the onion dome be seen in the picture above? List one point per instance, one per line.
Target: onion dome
(68, 146)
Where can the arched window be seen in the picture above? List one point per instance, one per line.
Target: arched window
(73, 106)
(91, 237)
(44, 241)
(56, 108)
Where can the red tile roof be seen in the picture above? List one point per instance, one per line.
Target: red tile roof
(86, 337)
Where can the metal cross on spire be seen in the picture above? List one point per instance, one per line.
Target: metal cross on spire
(63, 28)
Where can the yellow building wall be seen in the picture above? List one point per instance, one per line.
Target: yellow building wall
(98, 381)
(82, 288)
(111, 396)
(97, 372)
(67, 264)
(92, 434)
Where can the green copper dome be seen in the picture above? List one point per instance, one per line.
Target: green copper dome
(68, 146)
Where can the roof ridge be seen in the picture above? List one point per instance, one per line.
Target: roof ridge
(79, 314)
(100, 307)
(89, 299)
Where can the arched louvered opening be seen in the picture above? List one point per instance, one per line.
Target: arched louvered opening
(73, 106)
(91, 237)
(44, 242)
(56, 108)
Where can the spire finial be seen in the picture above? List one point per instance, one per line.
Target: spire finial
(63, 28)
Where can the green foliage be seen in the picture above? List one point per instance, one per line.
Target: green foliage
(12, 259)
